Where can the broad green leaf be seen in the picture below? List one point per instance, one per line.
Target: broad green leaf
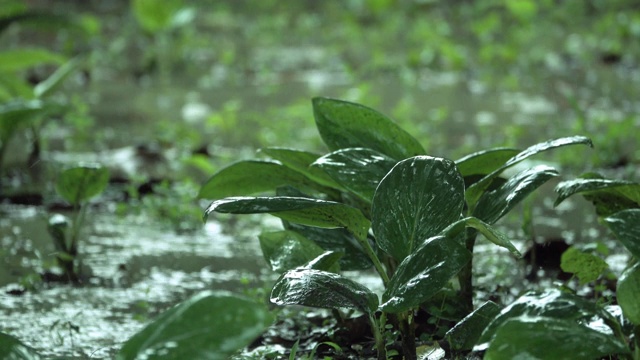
(628, 292)
(495, 204)
(586, 266)
(285, 250)
(465, 334)
(539, 337)
(423, 273)
(156, 15)
(301, 161)
(56, 79)
(551, 303)
(82, 183)
(305, 211)
(323, 289)
(626, 226)
(484, 162)
(22, 59)
(359, 170)
(327, 261)
(13, 349)
(209, 325)
(417, 199)
(476, 190)
(338, 240)
(250, 177)
(608, 196)
(343, 124)
(485, 229)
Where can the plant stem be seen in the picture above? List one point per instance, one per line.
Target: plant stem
(376, 262)
(465, 276)
(407, 329)
(377, 329)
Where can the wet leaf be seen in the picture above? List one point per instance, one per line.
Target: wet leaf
(465, 334)
(551, 303)
(476, 190)
(628, 293)
(423, 273)
(485, 229)
(539, 337)
(285, 250)
(250, 177)
(495, 204)
(323, 289)
(417, 199)
(608, 196)
(485, 161)
(13, 349)
(209, 325)
(586, 266)
(358, 170)
(305, 211)
(327, 261)
(344, 124)
(81, 183)
(301, 161)
(625, 225)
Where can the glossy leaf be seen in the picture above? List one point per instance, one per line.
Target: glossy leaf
(301, 161)
(486, 161)
(305, 211)
(539, 337)
(586, 266)
(81, 183)
(608, 196)
(315, 288)
(359, 170)
(628, 293)
(285, 250)
(417, 199)
(626, 226)
(250, 177)
(209, 325)
(343, 124)
(495, 204)
(485, 229)
(24, 58)
(474, 192)
(465, 334)
(551, 303)
(327, 261)
(13, 349)
(423, 273)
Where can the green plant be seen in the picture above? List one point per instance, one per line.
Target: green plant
(76, 185)
(376, 200)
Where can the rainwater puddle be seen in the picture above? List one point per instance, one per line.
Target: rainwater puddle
(139, 270)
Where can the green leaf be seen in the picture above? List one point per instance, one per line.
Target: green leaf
(209, 325)
(628, 292)
(285, 250)
(484, 162)
(423, 273)
(327, 261)
(344, 124)
(305, 211)
(551, 303)
(485, 229)
(495, 204)
(417, 199)
(465, 334)
(476, 190)
(250, 177)
(22, 59)
(82, 183)
(586, 266)
(13, 349)
(57, 78)
(301, 161)
(539, 337)
(359, 170)
(156, 15)
(608, 196)
(626, 226)
(323, 289)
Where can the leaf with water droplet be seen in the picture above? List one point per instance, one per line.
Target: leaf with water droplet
(417, 199)
(485, 229)
(301, 161)
(628, 292)
(608, 196)
(285, 250)
(484, 162)
(465, 334)
(626, 226)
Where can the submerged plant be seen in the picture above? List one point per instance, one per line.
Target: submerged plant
(376, 200)
(76, 185)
